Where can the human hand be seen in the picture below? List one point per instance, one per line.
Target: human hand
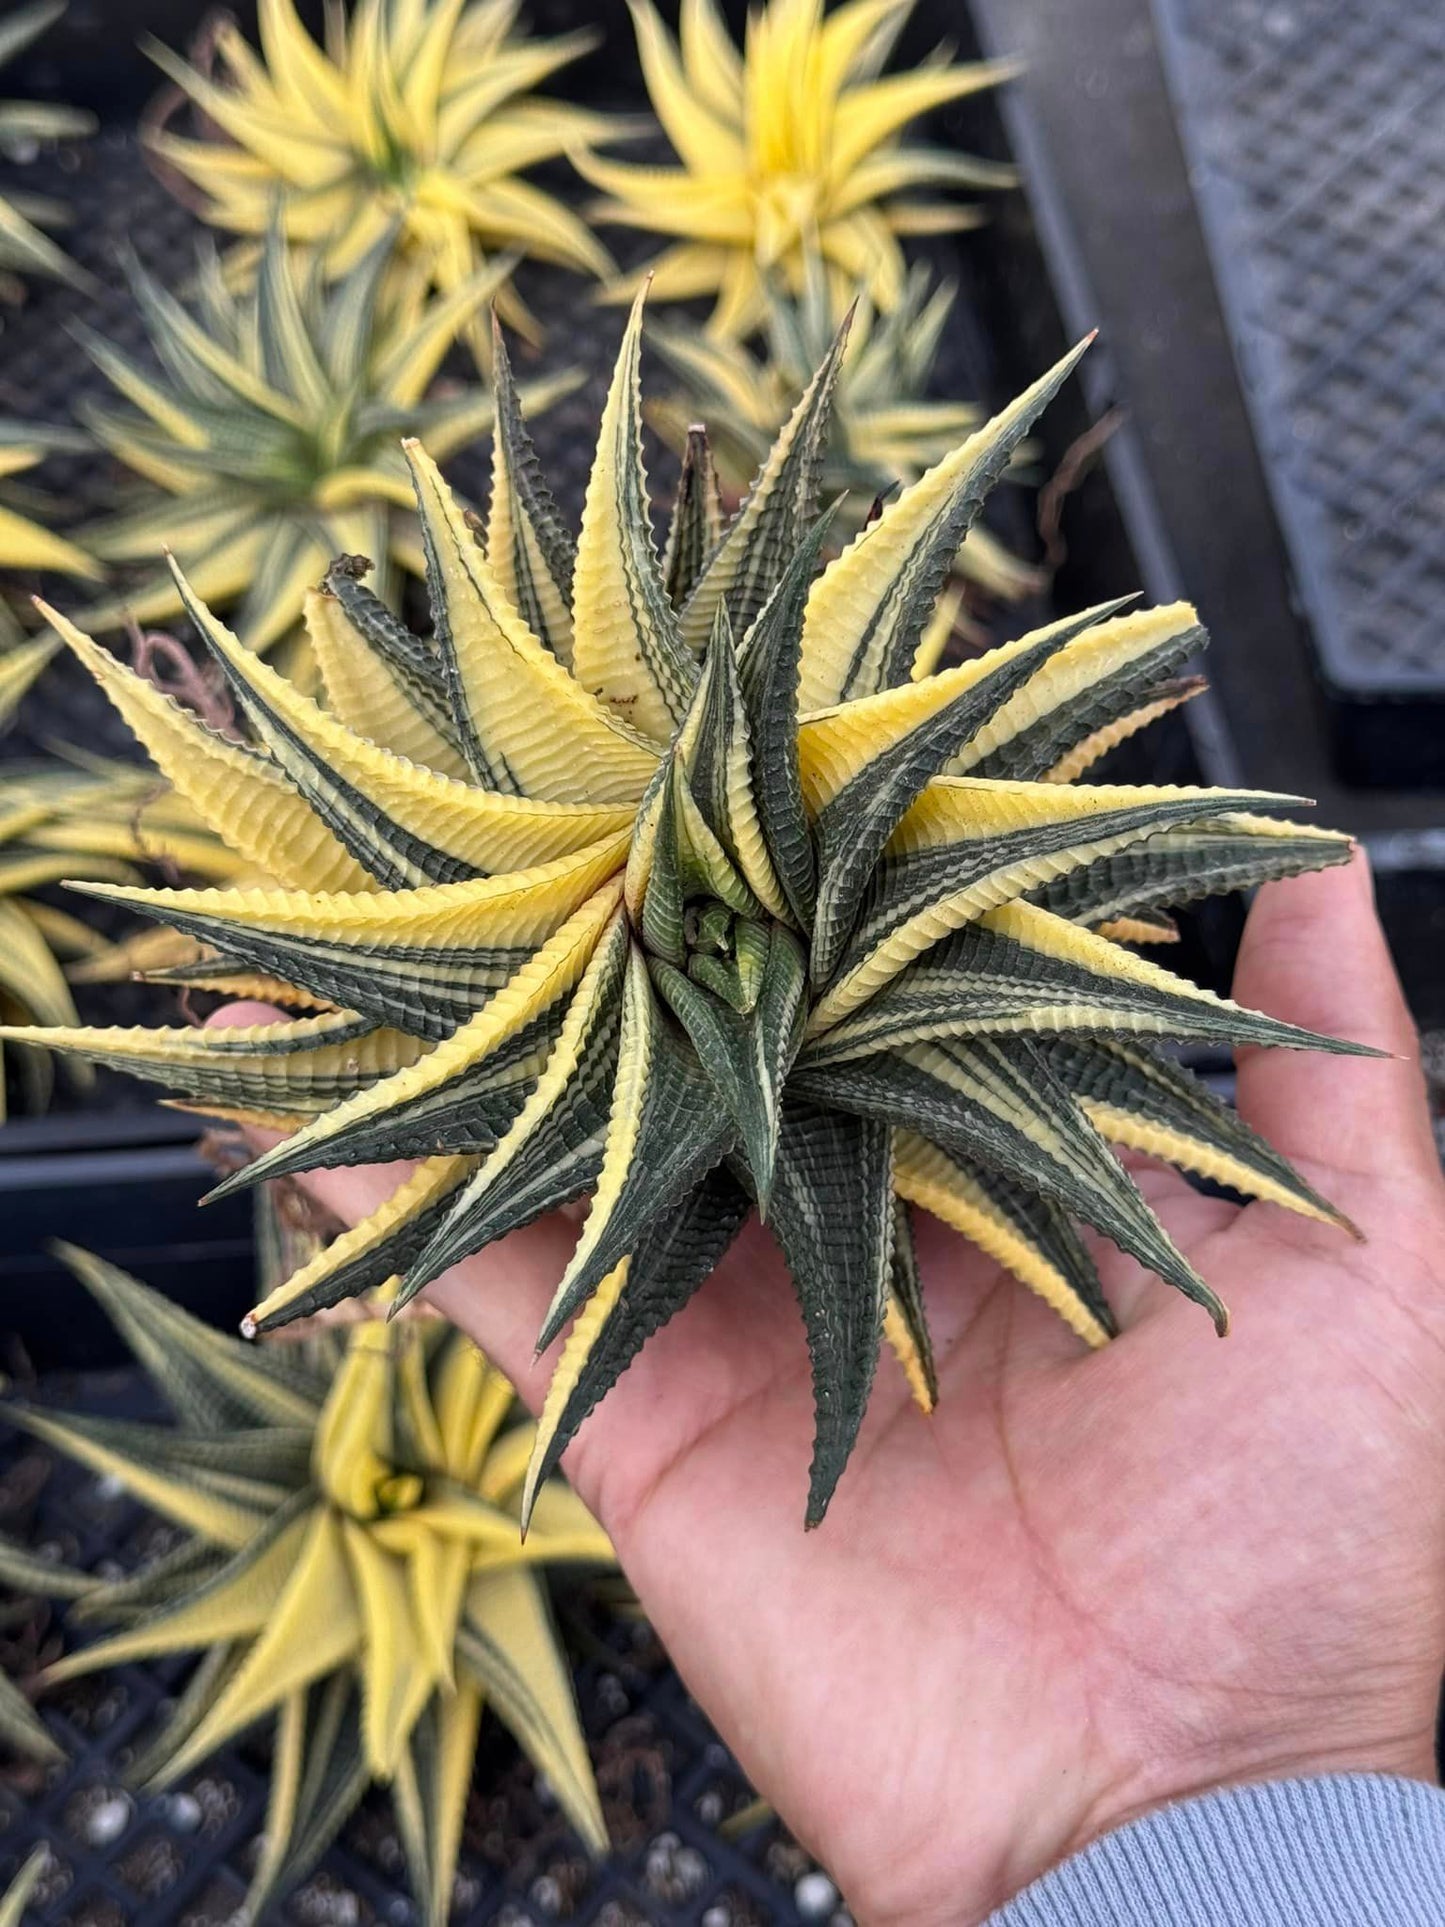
(1091, 1582)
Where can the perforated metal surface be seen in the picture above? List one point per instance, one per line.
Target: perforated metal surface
(181, 1859)
(1316, 135)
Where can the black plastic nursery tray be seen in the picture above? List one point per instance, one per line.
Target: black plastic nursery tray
(1315, 134)
(181, 1859)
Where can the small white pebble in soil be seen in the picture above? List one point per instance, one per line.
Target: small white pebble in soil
(108, 1488)
(107, 1820)
(815, 1896)
(718, 1915)
(183, 1810)
(546, 1892)
(709, 1811)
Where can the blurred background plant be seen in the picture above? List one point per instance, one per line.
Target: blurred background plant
(350, 1572)
(270, 441)
(791, 142)
(26, 127)
(413, 121)
(83, 819)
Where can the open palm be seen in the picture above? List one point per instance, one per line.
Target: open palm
(1089, 1582)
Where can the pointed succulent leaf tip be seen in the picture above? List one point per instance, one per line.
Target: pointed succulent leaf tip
(744, 568)
(696, 524)
(628, 650)
(352, 1571)
(688, 886)
(887, 425)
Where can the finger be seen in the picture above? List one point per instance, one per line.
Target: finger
(1314, 953)
(499, 1297)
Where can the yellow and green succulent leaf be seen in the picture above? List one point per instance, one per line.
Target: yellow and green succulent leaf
(530, 547)
(664, 1134)
(886, 428)
(1135, 1096)
(268, 443)
(1022, 969)
(680, 878)
(790, 145)
(358, 1578)
(408, 127)
(905, 1316)
(996, 1103)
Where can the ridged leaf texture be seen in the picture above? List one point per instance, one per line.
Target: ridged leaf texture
(721, 897)
(25, 246)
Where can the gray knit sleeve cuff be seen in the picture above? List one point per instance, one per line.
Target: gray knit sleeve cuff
(1362, 1849)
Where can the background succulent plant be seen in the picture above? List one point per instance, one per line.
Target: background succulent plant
(727, 906)
(25, 541)
(414, 120)
(271, 439)
(59, 820)
(25, 125)
(792, 142)
(351, 1571)
(886, 426)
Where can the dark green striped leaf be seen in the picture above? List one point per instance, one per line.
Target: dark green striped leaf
(747, 1057)
(832, 1214)
(996, 1103)
(696, 525)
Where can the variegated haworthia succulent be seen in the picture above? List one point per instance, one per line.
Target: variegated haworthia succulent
(351, 1570)
(109, 821)
(25, 247)
(414, 120)
(886, 428)
(792, 143)
(270, 441)
(669, 880)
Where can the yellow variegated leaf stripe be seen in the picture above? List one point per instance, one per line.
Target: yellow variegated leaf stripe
(1025, 833)
(928, 1177)
(536, 730)
(293, 1070)
(426, 954)
(237, 792)
(860, 614)
(626, 647)
(435, 1179)
(835, 745)
(480, 829)
(365, 695)
(547, 977)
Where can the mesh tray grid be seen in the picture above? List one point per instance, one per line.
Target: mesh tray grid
(180, 1859)
(1316, 135)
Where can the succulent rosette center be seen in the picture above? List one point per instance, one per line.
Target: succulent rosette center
(690, 884)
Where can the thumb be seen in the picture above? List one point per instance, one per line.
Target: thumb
(1314, 954)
